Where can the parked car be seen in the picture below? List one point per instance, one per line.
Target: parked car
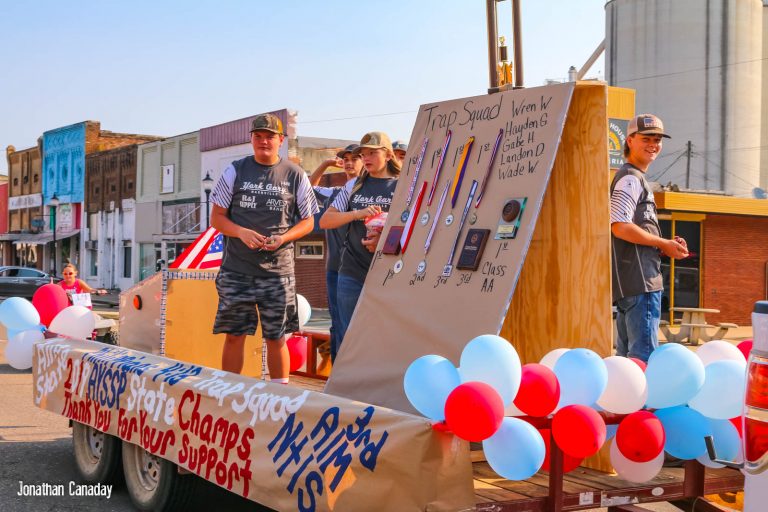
(22, 281)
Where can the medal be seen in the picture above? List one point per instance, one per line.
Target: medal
(421, 267)
(398, 266)
(462, 167)
(424, 218)
(437, 218)
(439, 167)
(448, 268)
(404, 216)
(408, 230)
(488, 171)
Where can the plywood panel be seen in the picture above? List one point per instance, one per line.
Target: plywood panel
(190, 312)
(563, 297)
(407, 308)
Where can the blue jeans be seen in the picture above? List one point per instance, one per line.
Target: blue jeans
(347, 292)
(637, 323)
(331, 279)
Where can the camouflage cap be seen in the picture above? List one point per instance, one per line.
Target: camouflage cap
(267, 122)
(375, 140)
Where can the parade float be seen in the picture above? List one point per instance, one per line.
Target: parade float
(479, 354)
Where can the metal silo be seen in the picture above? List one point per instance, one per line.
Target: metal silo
(697, 64)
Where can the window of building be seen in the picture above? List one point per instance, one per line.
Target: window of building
(127, 259)
(149, 253)
(685, 289)
(310, 250)
(93, 258)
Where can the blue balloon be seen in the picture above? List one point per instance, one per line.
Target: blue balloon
(428, 382)
(685, 430)
(727, 443)
(610, 431)
(722, 395)
(674, 375)
(582, 375)
(493, 360)
(18, 314)
(516, 451)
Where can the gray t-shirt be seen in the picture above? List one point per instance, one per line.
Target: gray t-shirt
(355, 258)
(636, 268)
(268, 200)
(334, 238)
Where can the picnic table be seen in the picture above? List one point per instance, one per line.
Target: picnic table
(693, 326)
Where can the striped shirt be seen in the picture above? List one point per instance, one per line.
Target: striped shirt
(269, 200)
(636, 268)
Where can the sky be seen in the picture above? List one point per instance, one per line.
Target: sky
(167, 68)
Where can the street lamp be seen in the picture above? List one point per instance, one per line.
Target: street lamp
(54, 203)
(207, 186)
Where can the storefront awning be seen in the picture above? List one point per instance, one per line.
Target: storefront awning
(35, 238)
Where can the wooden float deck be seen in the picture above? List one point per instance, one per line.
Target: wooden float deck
(585, 488)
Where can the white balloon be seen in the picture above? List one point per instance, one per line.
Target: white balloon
(550, 359)
(719, 350)
(75, 322)
(304, 310)
(18, 351)
(627, 389)
(631, 471)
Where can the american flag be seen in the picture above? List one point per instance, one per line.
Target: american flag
(205, 252)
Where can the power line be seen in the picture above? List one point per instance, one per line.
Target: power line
(705, 68)
(357, 117)
(727, 171)
(661, 175)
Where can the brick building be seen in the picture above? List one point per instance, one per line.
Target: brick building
(63, 153)
(728, 242)
(110, 199)
(24, 238)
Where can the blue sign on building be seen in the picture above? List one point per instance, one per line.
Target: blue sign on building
(64, 164)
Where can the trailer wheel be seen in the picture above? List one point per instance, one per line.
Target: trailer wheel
(153, 482)
(97, 455)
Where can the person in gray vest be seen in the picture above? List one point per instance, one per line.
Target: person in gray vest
(261, 204)
(636, 240)
(352, 164)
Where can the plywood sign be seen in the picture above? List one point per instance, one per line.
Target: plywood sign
(456, 236)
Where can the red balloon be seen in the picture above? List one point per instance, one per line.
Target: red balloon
(578, 430)
(745, 347)
(539, 390)
(569, 463)
(49, 300)
(738, 424)
(474, 411)
(640, 436)
(639, 362)
(297, 350)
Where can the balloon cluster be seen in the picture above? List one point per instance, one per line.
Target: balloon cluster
(26, 322)
(669, 405)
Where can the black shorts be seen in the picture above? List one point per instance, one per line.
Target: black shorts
(240, 294)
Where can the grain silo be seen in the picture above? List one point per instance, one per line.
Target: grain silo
(698, 64)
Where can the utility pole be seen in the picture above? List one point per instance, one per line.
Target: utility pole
(688, 169)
